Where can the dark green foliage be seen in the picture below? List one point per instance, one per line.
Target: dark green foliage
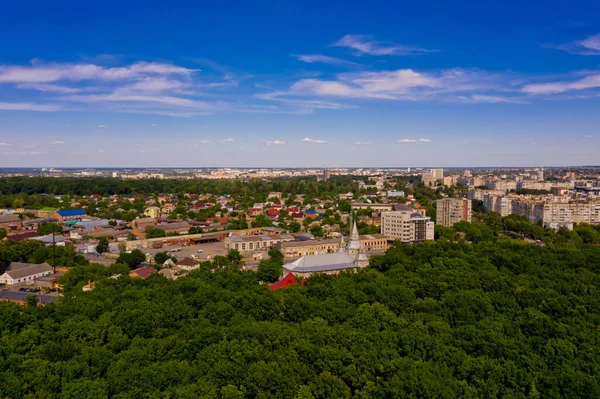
(34, 251)
(47, 228)
(132, 259)
(162, 257)
(269, 270)
(317, 231)
(294, 227)
(154, 232)
(262, 221)
(2, 233)
(102, 245)
(493, 319)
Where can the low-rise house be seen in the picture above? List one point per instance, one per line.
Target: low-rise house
(11, 222)
(69, 215)
(17, 273)
(188, 263)
(142, 272)
(20, 298)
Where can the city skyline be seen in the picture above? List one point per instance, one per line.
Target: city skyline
(286, 86)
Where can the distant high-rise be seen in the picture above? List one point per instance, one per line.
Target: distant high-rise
(453, 210)
(540, 174)
(437, 174)
(326, 174)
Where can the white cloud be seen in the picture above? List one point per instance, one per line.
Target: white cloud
(23, 153)
(362, 143)
(406, 141)
(401, 84)
(480, 98)
(154, 124)
(29, 107)
(588, 46)
(226, 140)
(98, 131)
(47, 87)
(364, 44)
(67, 125)
(309, 140)
(319, 58)
(102, 126)
(4, 145)
(425, 140)
(58, 142)
(274, 142)
(589, 82)
(101, 150)
(204, 141)
(589, 136)
(46, 73)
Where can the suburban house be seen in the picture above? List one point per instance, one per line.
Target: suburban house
(17, 272)
(10, 222)
(188, 263)
(142, 272)
(69, 215)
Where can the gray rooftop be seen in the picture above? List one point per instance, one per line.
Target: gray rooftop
(20, 270)
(321, 263)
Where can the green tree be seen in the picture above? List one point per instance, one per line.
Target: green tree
(2, 233)
(132, 259)
(162, 257)
(48, 227)
(269, 270)
(102, 245)
(317, 231)
(18, 203)
(154, 232)
(294, 226)
(262, 221)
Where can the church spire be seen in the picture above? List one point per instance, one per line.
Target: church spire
(354, 235)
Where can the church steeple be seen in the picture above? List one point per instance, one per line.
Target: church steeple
(354, 244)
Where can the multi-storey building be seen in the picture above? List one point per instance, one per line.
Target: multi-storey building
(406, 226)
(497, 203)
(453, 210)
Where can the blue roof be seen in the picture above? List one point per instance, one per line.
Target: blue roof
(72, 212)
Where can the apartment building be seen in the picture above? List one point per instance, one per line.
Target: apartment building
(453, 210)
(575, 212)
(497, 203)
(406, 226)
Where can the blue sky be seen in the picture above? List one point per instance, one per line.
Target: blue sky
(299, 84)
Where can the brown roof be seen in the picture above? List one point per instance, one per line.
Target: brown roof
(143, 272)
(20, 270)
(173, 226)
(188, 261)
(9, 218)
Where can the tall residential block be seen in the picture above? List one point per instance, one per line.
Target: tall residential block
(453, 210)
(406, 226)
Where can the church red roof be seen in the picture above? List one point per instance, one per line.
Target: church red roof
(285, 282)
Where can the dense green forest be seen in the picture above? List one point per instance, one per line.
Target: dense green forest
(110, 186)
(496, 318)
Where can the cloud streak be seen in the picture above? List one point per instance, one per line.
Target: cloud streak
(313, 141)
(272, 142)
(365, 45)
(587, 46)
(325, 59)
